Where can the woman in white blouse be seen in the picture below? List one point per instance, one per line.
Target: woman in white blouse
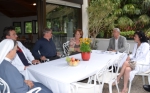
(136, 62)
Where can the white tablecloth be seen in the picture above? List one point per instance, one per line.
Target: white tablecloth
(57, 75)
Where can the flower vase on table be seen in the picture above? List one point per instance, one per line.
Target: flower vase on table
(85, 56)
(85, 48)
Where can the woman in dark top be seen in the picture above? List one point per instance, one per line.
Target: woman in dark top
(10, 74)
(74, 44)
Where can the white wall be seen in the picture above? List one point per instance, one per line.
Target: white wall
(22, 20)
(102, 44)
(4, 21)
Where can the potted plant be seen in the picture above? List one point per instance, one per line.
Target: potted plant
(85, 48)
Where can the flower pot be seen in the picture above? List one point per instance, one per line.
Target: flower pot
(85, 56)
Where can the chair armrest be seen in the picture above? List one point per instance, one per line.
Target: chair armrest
(37, 89)
(148, 71)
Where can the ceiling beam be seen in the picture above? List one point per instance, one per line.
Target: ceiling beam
(75, 1)
(26, 5)
(61, 2)
(5, 12)
(50, 7)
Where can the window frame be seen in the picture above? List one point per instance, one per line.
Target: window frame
(34, 26)
(15, 26)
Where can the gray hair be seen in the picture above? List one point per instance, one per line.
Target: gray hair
(46, 30)
(116, 29)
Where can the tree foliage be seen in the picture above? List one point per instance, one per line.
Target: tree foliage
(127, 15)
(100, 16)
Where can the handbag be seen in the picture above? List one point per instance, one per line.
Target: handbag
(132, 64)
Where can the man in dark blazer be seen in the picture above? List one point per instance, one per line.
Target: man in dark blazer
(117, 42)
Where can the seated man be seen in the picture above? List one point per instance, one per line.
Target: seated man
(10, 74)
(23, 58)
(117, 43)
(45, 48)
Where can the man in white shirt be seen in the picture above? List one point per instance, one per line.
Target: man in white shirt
(117, 42)
(23, 58)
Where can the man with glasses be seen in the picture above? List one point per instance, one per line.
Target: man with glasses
(117, 43)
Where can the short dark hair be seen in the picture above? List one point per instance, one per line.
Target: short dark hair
(46, 30)
(142, 36)
(6, 31)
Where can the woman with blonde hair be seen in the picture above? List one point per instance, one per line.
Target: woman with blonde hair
(74, 44)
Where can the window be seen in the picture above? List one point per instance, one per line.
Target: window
(17, 26)
(28, 27)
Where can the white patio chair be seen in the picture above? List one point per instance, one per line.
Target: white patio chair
(110, 76)
(97, 87)
(66, 47)
(37, 89)
(147, 73)
(127, 48)
(80, 87)
(6, 87)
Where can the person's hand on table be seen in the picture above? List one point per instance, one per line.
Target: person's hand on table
(29, 83)
(110, 49)
(34, 62)
(58, 54)
(114, 50)
(43, 58)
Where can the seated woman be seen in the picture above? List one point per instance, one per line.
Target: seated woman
(137, 61)
(10, 74)
(74, 44)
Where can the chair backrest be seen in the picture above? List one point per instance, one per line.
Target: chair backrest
(115, 65)
(128, 48)
(30, 37)
(23, 37)
(35, 90)
(100, 75)
(66, 47)
(5, 85)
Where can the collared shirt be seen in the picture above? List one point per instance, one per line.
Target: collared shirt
(116, 44)
(46, 48)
